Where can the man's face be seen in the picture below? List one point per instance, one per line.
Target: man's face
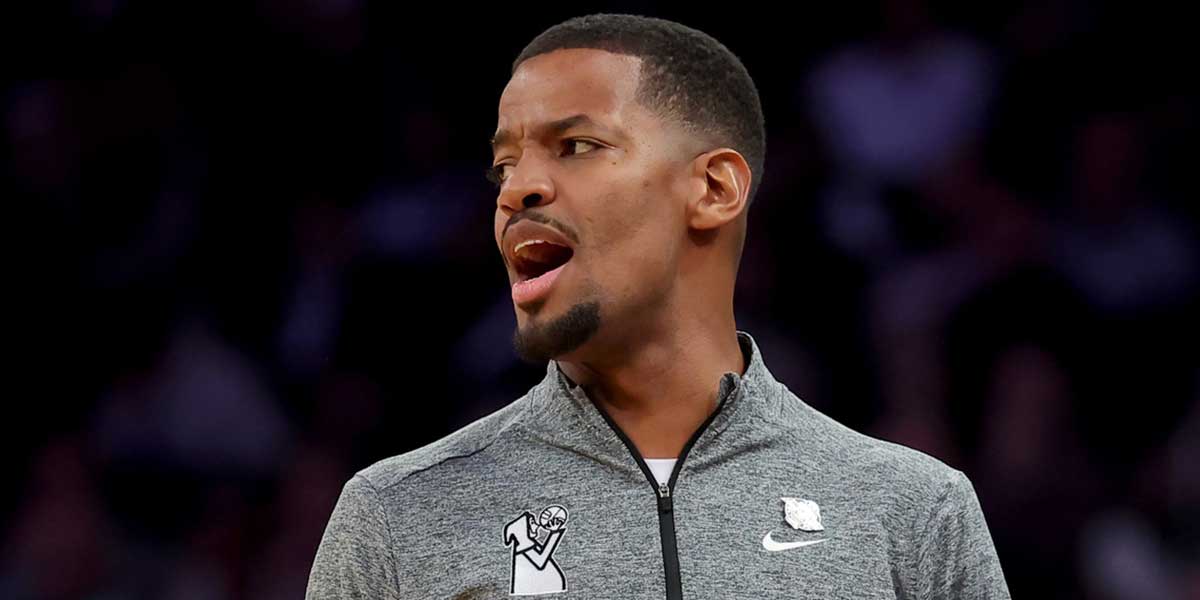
(589, 218)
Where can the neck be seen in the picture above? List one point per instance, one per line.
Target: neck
(664, 386)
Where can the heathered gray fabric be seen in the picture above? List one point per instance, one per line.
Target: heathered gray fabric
(429, 523)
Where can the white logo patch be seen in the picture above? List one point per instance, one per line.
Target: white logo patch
(533, 541)
(801, 514)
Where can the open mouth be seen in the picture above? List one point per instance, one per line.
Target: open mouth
(534, 258)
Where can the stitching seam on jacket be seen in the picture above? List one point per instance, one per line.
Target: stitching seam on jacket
(500, 432)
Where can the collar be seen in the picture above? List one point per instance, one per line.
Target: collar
(561, 414)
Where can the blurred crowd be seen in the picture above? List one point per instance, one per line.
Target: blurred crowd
(261, 258)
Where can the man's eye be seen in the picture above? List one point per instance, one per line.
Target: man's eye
(579, 146)
(496, 174)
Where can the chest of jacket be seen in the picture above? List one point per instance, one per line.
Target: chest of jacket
(575, 528)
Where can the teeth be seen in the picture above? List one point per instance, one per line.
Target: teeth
(517, 250)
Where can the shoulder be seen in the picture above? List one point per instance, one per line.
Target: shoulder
(938, 539)
(902, 476)
(465, 443)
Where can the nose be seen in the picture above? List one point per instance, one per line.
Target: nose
(528, 185)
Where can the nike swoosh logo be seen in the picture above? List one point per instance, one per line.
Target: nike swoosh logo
(770, 545)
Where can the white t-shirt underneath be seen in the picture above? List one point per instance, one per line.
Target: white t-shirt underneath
(661, 467)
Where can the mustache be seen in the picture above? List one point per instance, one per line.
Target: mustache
(540, 218)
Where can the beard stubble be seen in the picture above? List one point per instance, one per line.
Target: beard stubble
(540, 343)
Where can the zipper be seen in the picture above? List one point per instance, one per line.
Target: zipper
(666, 530)
(663, 493)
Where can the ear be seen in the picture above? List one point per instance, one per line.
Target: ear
(721, 179)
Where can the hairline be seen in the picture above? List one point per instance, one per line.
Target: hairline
(668, 117)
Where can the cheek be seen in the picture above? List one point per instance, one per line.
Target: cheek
(498, 226)
(640, 237)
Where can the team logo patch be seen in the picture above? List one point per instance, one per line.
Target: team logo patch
(802, 514)
(532, 540)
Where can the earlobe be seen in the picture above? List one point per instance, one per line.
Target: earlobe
(725, 178)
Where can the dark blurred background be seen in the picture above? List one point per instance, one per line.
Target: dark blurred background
(253, 253)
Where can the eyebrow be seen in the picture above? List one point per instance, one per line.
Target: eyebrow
(504, 136)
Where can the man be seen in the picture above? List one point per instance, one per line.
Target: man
(627, 153)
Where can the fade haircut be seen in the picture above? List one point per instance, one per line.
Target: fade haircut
(686, 76)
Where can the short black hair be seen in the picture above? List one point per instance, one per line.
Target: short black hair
(686, 75)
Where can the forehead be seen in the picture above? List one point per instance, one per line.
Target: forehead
(562, 83)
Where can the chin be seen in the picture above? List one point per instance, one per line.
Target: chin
(547, 338)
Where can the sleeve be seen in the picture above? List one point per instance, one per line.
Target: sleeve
(955, 557)
(355, 559)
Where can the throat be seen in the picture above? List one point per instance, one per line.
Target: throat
(660, 394)
(660, 429)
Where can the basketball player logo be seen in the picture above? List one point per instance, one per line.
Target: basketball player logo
(533, 541)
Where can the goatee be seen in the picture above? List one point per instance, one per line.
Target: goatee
(540, 343)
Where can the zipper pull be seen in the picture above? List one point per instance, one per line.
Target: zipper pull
(664, 498)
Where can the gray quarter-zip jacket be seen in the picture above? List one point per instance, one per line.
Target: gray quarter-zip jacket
(770, 499)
